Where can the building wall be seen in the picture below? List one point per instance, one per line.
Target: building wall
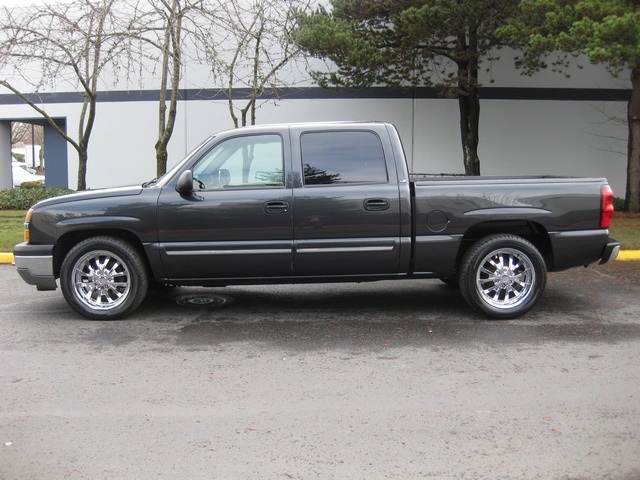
(561, 131)
(516, 136)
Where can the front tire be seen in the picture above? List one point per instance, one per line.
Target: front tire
(502, 276)
(104, 278)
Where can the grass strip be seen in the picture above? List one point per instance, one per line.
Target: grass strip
(11, 229)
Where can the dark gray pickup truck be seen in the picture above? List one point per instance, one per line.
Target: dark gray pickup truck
(318, 202)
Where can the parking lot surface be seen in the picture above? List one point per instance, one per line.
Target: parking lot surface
(356, 381)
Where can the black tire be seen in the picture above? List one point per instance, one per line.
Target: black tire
(104, 278)
(502, 276)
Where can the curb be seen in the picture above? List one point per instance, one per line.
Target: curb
(629, 255)
(624, 255)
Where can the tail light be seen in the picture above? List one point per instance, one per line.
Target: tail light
(606, 211)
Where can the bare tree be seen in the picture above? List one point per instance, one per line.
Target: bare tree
(65, 43)
(26, 133)
(251, 51)
(166, 25)
(171, 51)
(609, 131)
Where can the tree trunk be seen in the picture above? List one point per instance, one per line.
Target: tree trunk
(84, 143)
(469, 99)
(160, 146)
(161, 157)
(469, 103)
(87, 119)
(632, 202)
(82, 167)
(171, 66)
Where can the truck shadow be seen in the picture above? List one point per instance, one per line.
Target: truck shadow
(380, 315)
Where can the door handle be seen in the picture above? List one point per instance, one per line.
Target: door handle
(376, 204)
(276, 207)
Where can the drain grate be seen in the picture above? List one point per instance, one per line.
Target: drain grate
(200, 300)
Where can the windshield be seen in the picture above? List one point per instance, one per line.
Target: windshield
(167, 176)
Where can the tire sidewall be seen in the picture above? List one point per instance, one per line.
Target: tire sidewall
(133, 262)
(473, 260)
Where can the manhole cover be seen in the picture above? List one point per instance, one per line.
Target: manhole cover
(203, 300)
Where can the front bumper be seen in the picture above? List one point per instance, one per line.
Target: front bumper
(35, 265)
(610, 252)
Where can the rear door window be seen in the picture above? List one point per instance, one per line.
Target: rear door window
(343, 157)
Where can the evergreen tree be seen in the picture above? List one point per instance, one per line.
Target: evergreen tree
(407, 43)
(606, 31)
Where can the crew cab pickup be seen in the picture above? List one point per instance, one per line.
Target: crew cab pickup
(315, 202)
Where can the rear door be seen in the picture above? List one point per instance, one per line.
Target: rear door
(238, 221)
(347, 209)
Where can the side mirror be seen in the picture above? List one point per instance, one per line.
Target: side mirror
(185, 182)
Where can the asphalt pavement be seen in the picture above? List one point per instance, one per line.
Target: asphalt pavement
(358, 381)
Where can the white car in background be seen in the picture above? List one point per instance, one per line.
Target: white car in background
(20, 174)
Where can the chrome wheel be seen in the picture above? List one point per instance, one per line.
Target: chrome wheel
(104, 278)
(505, 278)
(101, 280)
(502, 276)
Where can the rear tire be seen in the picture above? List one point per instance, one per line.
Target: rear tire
(104, 278)
(502, 276)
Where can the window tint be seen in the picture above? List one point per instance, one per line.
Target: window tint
(249, 161)
(342, 157)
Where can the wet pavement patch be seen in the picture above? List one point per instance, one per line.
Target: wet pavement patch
(359, 334)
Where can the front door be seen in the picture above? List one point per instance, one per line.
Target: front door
(237, 223)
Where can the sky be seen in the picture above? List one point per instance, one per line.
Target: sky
(15, 3)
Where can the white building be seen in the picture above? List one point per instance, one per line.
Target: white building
(545, 124)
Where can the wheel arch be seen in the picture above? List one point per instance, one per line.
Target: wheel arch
(66, 242)
(532, 231)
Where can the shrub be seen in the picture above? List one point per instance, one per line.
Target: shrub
(27, 195)
(618, 204)
(37, 184)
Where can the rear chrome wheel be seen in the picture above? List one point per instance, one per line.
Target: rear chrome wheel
(503, 276)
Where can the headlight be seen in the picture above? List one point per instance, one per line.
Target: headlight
(27, 221)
